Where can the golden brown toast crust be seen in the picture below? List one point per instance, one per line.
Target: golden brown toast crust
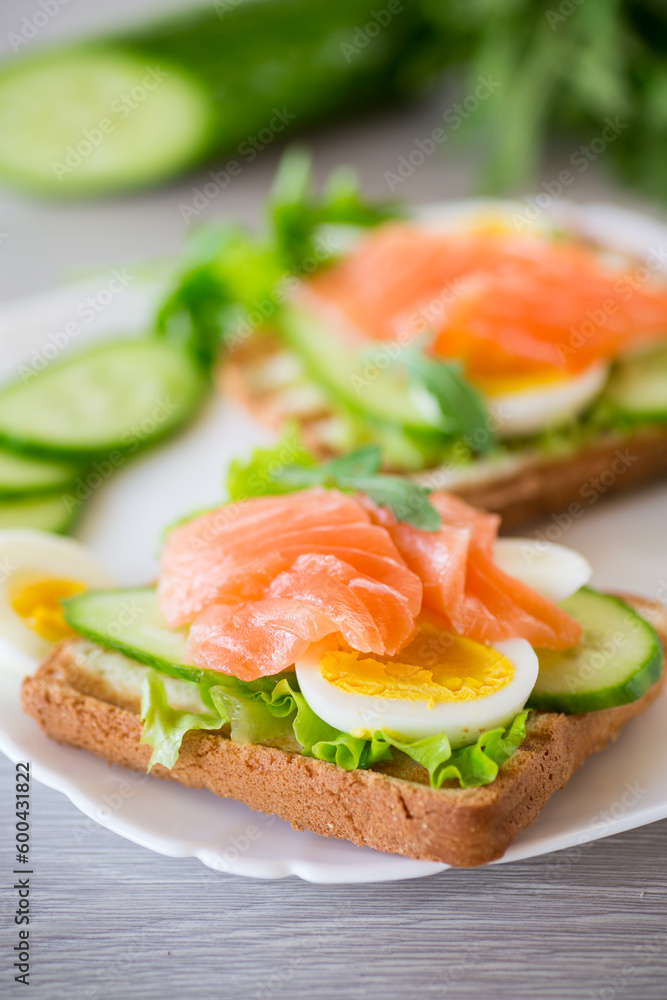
(389, 808)
(573, 482)
(545, 485)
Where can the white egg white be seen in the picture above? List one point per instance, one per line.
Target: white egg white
(536, 408)
(462, 722)
(30, 556)
(554, 571)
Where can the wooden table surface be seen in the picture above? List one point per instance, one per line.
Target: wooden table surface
(112, 921)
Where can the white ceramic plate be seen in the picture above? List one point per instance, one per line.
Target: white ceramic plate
(622, 788)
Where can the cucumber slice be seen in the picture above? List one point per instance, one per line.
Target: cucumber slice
(47, 513)
(374, 391)
(130, 622)
(638, 386)
(21, 475)
(121, 395)
(618, 658)
(99, 119)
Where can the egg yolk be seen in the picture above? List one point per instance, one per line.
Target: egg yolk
(38, 604)
(435, 667)
(497, 385)
(490, 224)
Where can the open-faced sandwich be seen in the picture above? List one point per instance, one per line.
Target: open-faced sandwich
(361, 657)
(518, 364)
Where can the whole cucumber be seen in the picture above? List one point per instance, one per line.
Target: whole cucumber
(225, 79)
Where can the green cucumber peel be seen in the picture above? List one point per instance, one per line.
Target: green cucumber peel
(23, 477)
(617, 660)
(114, 618)
(637, 388)
(43, 512)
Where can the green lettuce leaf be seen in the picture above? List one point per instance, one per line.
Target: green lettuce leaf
(165, 727)
(259, 711)
(228, 278)
(260, 475)
(476, 764)
(273, 711)
(320, 740)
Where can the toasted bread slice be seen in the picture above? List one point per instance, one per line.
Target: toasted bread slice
(88, 698)
(520, 488)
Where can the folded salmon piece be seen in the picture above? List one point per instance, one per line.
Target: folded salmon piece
(319, 596)
(260, 580)
(462, 583)
(504, 303)
(233, 553)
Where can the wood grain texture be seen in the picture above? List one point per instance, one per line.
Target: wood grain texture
(115, 922)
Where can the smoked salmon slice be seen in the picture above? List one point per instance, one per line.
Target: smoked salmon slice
(317, 597)
(506, 304)
(233, 553)
(230, 572)
(258, 581)
(463, 585)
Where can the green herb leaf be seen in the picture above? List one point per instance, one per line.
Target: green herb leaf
(363, 462)
(296, 213)
(360, 462)
(406, 500)
(289, 466)
(460, 404)
(357, 472)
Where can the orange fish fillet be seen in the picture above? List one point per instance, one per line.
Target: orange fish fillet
(505, 304)
(473, 596)
(224, 571)
(260, 580)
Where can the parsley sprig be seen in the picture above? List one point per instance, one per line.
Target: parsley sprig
(358, 472)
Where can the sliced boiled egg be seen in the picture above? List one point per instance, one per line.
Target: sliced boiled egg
(440, 683)
(554, 571)
(38, 570)
(526, 406)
